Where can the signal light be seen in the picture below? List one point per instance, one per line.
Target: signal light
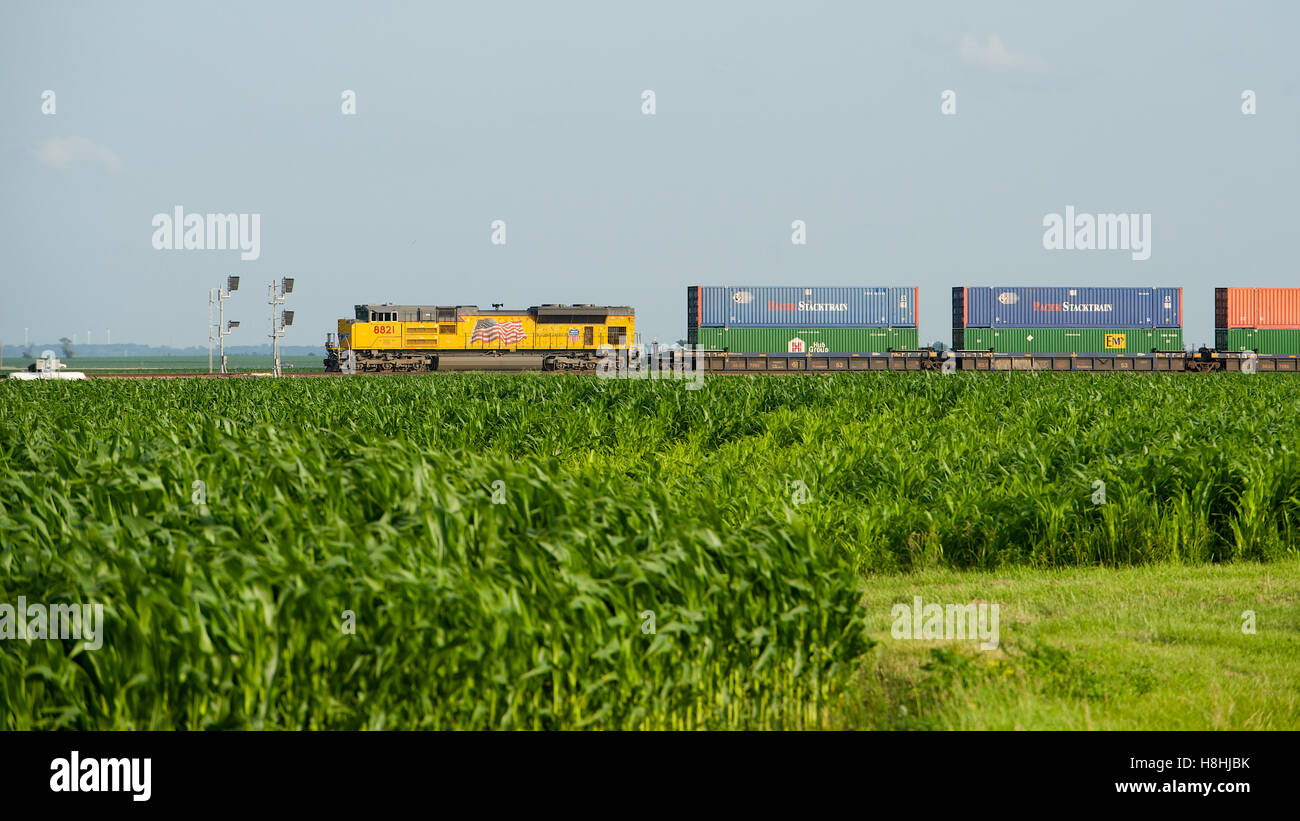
(286, 285)
(288, 318)
(232, 284)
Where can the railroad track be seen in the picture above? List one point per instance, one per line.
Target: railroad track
(183, 375)
(718, 363)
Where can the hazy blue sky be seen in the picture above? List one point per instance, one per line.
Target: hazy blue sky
(531, 113)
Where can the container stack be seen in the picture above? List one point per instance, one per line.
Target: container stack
(1019, 319)
(797, 319)
(1264, 320)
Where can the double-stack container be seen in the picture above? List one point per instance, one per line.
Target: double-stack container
(1063, 320)
(1265, 320)
(799, 319)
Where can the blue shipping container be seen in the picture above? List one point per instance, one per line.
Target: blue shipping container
(1057, 307)
(772, 306)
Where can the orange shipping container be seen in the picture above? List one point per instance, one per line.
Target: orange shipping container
(1258, 308)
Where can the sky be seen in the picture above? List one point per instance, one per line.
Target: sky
(532, 113)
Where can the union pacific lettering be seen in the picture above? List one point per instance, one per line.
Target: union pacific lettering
(807, 306)
(1074, 306)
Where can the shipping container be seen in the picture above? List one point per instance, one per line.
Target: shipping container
(1069, 340)
(808, 340)
(1263, 340)
(692, 314)
(767, 306)
(1063, 307)
(1257, 308)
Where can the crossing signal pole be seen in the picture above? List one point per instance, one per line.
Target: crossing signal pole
(223, 329)
(278, 324)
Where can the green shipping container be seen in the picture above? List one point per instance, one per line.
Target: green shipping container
(1072, 340)
(1266, 341)
(808, 340)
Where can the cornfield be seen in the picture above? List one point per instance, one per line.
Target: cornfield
(538, 552)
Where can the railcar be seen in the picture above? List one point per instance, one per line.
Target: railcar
(764, 319)
(416, 338)
(1263, 320)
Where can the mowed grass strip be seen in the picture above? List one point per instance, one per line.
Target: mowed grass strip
(1212, 647)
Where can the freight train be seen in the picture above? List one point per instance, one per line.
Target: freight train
(860, 328)
(415, 338)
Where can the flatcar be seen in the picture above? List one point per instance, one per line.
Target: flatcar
(416, 338)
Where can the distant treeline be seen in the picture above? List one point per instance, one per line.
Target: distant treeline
(16, 351)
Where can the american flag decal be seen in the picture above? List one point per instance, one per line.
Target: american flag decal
(489, 330)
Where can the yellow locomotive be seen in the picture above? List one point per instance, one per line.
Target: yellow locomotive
(413, 338)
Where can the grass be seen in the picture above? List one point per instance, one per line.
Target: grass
(503, 543)
(1156, 647)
